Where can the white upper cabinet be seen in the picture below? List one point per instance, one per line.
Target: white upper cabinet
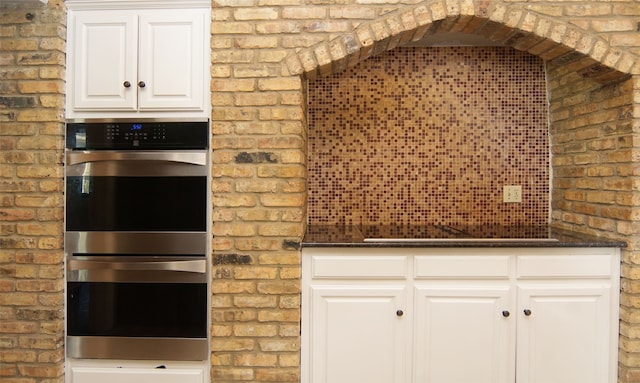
(138, 63)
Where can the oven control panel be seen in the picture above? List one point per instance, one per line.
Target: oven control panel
(137, 135)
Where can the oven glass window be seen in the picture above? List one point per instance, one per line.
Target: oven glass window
(137, 309)
(136, 203)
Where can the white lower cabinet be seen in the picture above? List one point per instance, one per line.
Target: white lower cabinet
(129, 372)
(358, 331)
(483, 315)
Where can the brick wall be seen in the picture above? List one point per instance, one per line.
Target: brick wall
(261, 52)
(319, 38)
(595, 178)
(32, 56)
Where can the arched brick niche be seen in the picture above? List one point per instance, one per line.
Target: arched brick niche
(594, 113)
(511, 26)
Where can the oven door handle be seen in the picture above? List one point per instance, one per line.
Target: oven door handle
(190, 266)
(188, 157)
(113, 271)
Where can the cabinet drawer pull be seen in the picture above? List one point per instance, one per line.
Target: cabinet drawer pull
(506, 313)
(126, 84)
(141, 84)
(399, 313)
(527, 312)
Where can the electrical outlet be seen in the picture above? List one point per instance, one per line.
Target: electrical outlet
(512, 193)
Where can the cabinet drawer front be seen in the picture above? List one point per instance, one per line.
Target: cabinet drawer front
(361, 266)
(135, 375)
(559, 266)
(459, 266)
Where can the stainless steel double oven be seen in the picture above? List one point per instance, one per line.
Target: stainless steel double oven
(136, 239)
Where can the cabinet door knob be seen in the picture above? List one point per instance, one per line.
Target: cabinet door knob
(126, 84)
(141, 84)
(506, 313)
(527, 312)
(399, 313)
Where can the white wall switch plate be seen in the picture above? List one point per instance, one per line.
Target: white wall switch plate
(512, 193)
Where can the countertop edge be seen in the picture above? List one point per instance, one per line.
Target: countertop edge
(470, 244)
(350, 236)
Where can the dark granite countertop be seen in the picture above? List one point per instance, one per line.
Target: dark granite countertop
(449, 236)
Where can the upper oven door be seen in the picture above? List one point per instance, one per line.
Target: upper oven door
(131, 191)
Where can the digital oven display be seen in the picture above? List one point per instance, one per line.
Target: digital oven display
(137, 135)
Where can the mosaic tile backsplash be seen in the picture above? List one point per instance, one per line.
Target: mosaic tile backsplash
(430, 135)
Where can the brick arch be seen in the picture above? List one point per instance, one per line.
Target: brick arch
(510, 25)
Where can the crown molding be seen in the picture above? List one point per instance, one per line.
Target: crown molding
(135, 4)
(22, 2)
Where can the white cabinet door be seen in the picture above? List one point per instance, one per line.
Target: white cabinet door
(463, 334)
(357, 334)
(104, 66)
(171, 60)
(564, 334)
(135, 375)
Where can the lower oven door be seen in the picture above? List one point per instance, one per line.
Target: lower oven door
(137, 308)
